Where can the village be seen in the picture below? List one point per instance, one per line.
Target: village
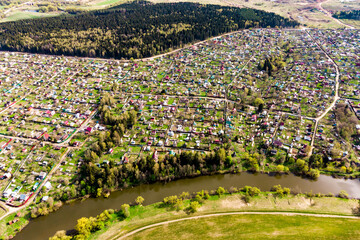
(273, 92)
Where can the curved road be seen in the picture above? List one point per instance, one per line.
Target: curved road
(230, 213)
(330, 15)
(336, 97)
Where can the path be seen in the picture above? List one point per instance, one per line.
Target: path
(83, 125)
(15, 7)
(48, 176)
(336, 97)
(327, 13)
(227, 214)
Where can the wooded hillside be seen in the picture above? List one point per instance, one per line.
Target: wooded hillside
(138, 29)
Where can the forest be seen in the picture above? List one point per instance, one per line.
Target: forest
(354, 14)
(132, 30)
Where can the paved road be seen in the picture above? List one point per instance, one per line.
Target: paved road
(118, 237)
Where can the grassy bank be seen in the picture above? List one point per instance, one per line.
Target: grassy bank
(255, 227)
(21, 219)
(145, 215)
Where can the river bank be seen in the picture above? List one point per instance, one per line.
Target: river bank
(66, 217)
(223, 204)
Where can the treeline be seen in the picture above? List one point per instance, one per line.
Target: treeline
(133, 30)
(96, 180)
(187, 202)
(353, 14)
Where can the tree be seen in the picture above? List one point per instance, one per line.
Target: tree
(301, 166)
(83, 226)
(316, 161)
(258, 102)
(194, 206)
(139, 200)
(279, 191)
(184, 195)
(99, 192)
(313, 173)
(116, 138)
(228, 161)
(220, 191)
(251, 191)
(60, 235)
(343, 194)
(280, 168)
(125, 209)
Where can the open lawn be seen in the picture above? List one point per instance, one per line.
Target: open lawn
(337, 5)
(255, 227)
(108, 2)
(351, 22)
(14, 16)
(7, 230)
(147, 215)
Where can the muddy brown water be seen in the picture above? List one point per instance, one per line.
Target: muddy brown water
(65, 218)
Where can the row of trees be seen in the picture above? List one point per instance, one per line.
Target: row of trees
(132, 30)
(95, 180)
(189, 203)
(44, 208)
(353, 14)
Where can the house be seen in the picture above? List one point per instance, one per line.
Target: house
(307, 138)
(277, 143)
(47, 185)
(7, 193)
(22, 197)
(88, 130)
(41, 175)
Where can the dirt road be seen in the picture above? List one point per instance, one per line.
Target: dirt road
(336, 97)
(226, 214)
(15, 209)
(320, 7)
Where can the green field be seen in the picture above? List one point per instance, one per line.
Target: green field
(154, 213)
(26, 15)
(354, 23)
(256, 227)
(108, 2)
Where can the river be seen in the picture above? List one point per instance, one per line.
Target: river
(65, 218)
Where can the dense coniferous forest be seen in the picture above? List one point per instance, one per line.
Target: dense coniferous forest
(132, 30)
(354, 14)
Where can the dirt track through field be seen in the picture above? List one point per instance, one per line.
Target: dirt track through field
(117, 237)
